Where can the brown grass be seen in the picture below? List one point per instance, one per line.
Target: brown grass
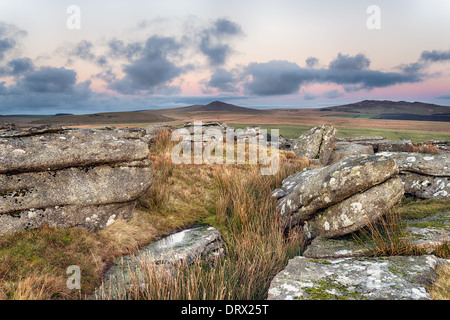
(257, 246)
(387, 237)
(424, 148)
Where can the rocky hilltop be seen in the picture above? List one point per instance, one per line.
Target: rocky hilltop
(66, 178)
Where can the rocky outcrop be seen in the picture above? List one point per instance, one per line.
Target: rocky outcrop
(317, 144)
(384, 278)
(69, 178)
(147, 134)
(347, 149)
(340, 198)
(183, 247)
(424, 176)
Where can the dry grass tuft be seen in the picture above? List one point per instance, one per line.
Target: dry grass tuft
(441, 287)
(424, 148)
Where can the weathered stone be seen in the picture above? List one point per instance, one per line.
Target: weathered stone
(183, 247)
(384, 278)
(357, 211)
(345, 150)
(430, 232)
(360, 139)
(425, 164)
(396, 146)
(74, 186)
(311, 191)
(424, 176)
(92, 218)
(70, 178)
(317, 143)
(426, 187)
(71, 148)
(324, 248)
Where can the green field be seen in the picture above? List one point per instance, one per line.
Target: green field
(294, 131)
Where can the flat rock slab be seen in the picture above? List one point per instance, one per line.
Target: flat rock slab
(345, 150)
(91, 218)
(324, 248)
(425, 186)
(384, 278)
(421, 163)
(50, 150)
(179, 248)
(430, 232)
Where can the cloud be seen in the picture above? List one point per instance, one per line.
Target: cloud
(83, 51)
(213, 41)
(17, 67)
(223, 80)
(47, 89)
(333, 94)
(310, 96)
(47, 79)
(435, 56)
(346, 62)
(311, 62)
(153, 69)
(275, 77)
(9, 34)
(118, 49)
(444, 96)
(414, 67)
(282, 77)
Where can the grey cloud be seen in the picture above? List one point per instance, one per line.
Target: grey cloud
(153, 69)
(83, 50)
(47, 79)
(212, 41)
(223, 80)
(118, 49)
(435, 56)
(310, 96)
(20, 66)
(283, 77)
(9, 34)
(5, 45)
(346, 62)
(444, 96)
(44, 89)
(414, 67)
(311, 62)
(332, 94)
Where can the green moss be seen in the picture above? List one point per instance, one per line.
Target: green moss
(329, 289)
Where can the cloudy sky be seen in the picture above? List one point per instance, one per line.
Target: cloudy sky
(113, 55)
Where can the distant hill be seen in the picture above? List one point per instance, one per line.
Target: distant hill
(392, 110)
(215, 106)
(106, 118)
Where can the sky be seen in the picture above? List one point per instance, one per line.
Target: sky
(109, 55)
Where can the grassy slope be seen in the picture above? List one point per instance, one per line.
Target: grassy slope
(294, 131)
(235, 200)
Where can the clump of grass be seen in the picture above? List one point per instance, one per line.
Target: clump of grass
(441, 287)
(424, 148)
(413, 208)
(387, 237)
(157, 196)
(163, 143)
(256, 243)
